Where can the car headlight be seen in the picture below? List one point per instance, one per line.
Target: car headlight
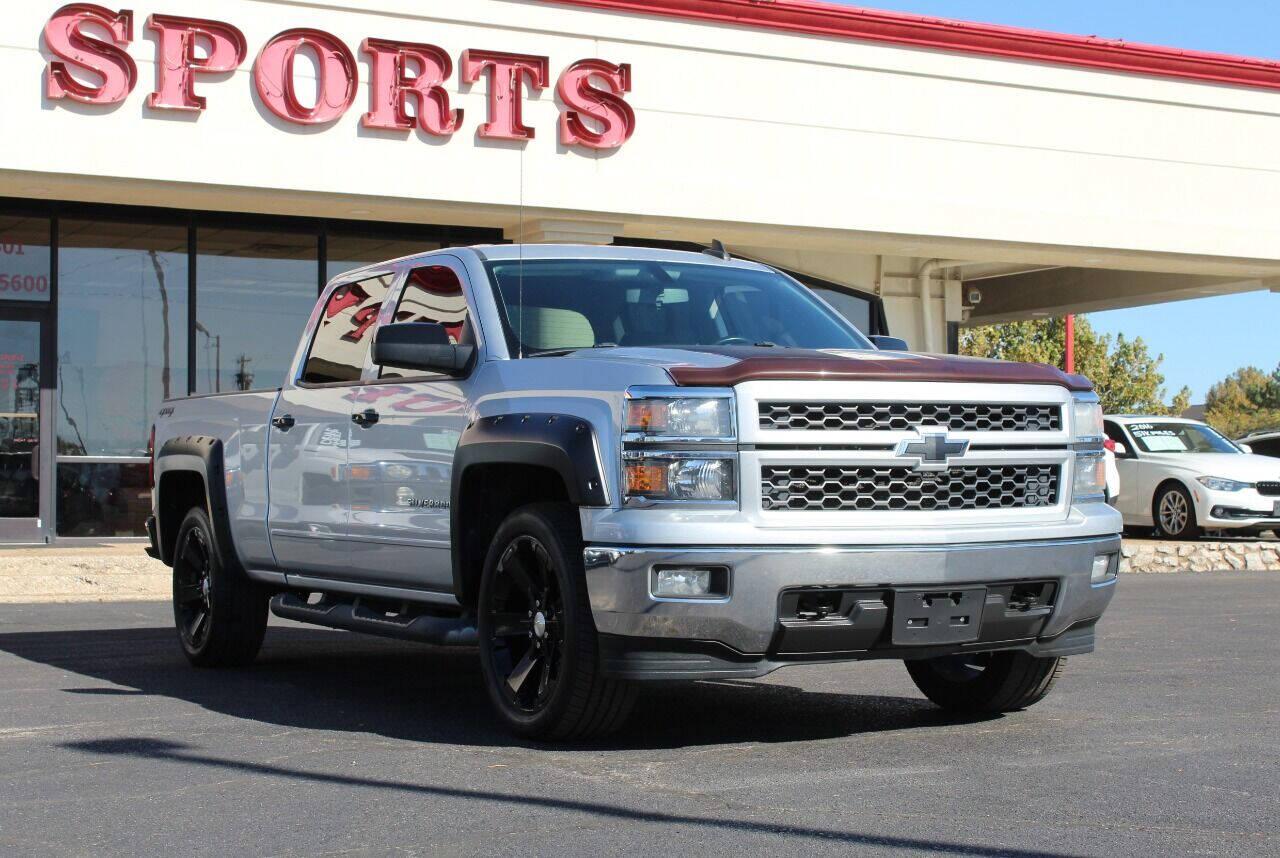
(692, 476)
(1090, 483)
(1222, 484)
(1086, 418)
(671, 414)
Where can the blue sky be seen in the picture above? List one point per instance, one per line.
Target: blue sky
(1206, 339)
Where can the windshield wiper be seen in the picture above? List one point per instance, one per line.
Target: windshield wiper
(561, 352)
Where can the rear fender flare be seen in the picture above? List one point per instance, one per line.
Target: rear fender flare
(200, 454)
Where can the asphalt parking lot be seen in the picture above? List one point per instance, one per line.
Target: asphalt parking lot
(1165, 741)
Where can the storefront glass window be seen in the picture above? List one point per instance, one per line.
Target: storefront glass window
(24, 259)
(346, 252)
(255, 291)
(122, 333)
(103, 499)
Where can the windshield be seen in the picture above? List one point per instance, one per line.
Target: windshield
(584, 303)
(1179, 438)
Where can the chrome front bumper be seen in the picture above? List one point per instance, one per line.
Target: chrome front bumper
(746, 622)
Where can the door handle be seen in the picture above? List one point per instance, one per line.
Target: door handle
(365, 419)
(284, 422)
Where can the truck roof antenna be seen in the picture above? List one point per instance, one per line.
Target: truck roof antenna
(717, 249)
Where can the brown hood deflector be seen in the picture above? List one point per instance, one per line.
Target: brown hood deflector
(805, 365)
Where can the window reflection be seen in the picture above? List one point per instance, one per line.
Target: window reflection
(24, 259)
(122, 341)
(346, 252)
(255, 292)
(103, 499)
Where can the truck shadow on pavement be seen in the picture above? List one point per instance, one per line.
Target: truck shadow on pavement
(325, 680)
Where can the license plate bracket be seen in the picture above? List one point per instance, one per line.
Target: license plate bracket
(937, 616)
(1276, 509)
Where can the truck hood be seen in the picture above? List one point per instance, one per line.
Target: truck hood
(1245, 467)
(726, 366)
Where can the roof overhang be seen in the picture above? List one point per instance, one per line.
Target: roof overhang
(898, 28)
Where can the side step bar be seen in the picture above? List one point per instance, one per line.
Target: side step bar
(356, 617)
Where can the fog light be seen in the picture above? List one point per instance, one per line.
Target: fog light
(690, 583)
(1102, 569)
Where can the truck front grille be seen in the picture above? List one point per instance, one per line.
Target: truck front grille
(896, 489)
(888, 417)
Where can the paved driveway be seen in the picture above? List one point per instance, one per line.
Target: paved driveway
(1166, 741)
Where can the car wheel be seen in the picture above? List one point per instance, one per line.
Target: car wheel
(538, 644)
(220, 615)
(985, 682)
(1175, 514)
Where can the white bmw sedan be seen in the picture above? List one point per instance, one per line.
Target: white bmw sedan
(1182, 478)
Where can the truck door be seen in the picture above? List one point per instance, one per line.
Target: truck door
(311, 428)
(404, 431)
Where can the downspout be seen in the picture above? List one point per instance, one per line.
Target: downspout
(924, 275)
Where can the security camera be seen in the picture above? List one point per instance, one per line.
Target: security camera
(975, 297)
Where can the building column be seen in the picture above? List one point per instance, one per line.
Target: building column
(564, 231)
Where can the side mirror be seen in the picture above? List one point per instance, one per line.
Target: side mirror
(1245, 447)
(1120, 450)
(889, 344)
(422, 346)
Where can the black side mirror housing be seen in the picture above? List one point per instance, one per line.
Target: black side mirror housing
(422, 346)
(890, 344)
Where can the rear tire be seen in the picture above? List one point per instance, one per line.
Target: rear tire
(1175, 514)
(538, 644)
(986, 683)
(220, 615)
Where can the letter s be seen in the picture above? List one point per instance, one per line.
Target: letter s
(65, 37)
(606, 107)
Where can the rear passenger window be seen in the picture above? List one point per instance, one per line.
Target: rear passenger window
(434, 294)
(345, 331)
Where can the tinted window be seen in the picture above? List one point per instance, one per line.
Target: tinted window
(24, 259)
(256, 290)
(122, 332)
(853, 307)
(434, 294)
(1269, 447)
(346, 251)
(345, 330)
(566, 304)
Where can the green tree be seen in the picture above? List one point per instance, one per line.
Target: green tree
(1126, 375)
(1246, 400)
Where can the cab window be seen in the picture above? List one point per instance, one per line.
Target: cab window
(342, 337)
(433, 293)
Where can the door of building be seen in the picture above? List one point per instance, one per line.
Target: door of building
(25, 466)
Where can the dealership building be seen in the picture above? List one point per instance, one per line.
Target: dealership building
(180, 178)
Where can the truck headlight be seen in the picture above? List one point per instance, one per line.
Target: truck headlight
(659, 477)
(1222, 484)
(1090, 483)
(1086, 418)
(672, 413)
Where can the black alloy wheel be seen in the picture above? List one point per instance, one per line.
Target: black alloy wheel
(192, 568)
(526, 625)
(220, 615)
(539, 649)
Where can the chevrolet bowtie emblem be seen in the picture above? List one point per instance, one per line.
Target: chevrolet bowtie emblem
(932, 450)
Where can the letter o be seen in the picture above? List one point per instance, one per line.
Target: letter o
(337, 76)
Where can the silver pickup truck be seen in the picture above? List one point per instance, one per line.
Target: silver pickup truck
(609, 465)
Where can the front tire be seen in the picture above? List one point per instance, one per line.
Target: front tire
(538, 644)
(986, 683)
(1175, 514)
(220, 615)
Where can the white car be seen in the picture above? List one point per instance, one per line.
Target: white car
(1182, 478)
